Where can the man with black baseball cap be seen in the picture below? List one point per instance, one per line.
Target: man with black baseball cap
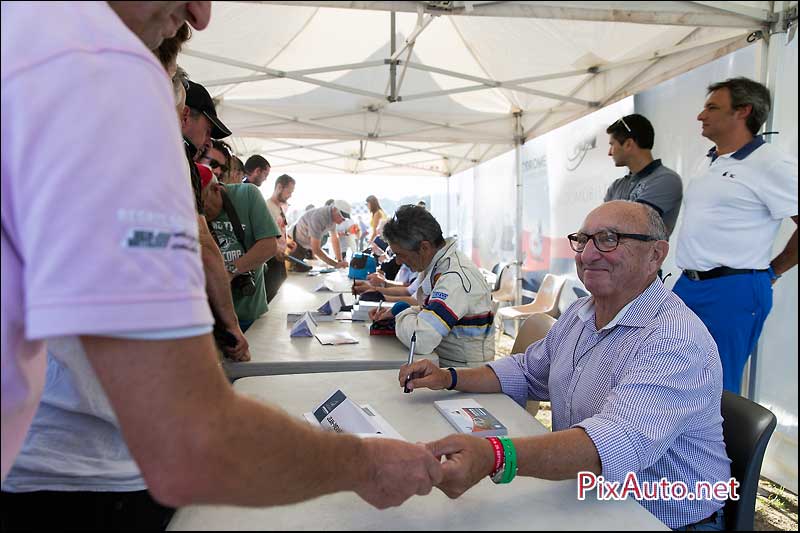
(199, 124)
(197, 98)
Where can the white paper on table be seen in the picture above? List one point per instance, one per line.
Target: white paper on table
(335, 283)
(340, 414)
(305, 327)
(335, 338)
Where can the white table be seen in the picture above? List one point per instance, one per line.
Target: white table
(273, 352)
(524, 504)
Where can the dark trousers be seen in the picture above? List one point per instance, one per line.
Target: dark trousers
(274, 277)
(55, 510)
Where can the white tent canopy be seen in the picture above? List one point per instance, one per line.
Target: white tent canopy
(318, 88)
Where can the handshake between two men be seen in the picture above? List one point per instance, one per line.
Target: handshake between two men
(406, 472)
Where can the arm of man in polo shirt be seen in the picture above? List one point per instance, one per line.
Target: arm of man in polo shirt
(259, 226)
(337, 248)
(316, 248)
(181, 420)
(788, 257)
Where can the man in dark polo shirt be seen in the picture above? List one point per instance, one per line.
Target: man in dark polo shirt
(630, 141)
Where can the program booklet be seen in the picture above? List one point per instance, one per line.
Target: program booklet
(468, 416)
(341, 414)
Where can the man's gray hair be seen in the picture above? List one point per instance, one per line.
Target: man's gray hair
(655, 223)
(745, 91)
(411, 225)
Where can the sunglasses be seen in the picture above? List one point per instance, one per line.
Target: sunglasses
(622, 121)
(213, 163)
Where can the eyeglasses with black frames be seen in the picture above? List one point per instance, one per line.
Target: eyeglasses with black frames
(604, 240)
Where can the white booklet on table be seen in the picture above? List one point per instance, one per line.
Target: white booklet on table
(341, 414)
(468, 416)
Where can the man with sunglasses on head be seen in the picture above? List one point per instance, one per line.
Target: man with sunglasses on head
(633, 378)
(733, 210)
(630, 141)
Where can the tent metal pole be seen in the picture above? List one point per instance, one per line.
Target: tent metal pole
(689, 14)
(281, 74)
(485, 84)
(519, 138)
(449, 222)
(393, 63)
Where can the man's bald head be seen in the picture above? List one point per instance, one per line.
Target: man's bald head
(632, 217)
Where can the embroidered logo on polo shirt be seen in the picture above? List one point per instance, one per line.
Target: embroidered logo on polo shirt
(727, 174)
(160, 240)
(142, 238)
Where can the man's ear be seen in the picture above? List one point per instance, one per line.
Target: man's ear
(744, 111)
(659, 253)
(184, 115)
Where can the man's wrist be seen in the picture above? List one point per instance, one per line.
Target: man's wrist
(452, 377)
(772, 274)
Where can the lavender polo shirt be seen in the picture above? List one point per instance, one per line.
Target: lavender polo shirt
(646, 389)
(99, 233)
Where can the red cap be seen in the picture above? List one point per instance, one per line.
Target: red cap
(205, 175)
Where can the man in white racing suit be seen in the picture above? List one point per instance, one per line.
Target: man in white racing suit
(455, 318)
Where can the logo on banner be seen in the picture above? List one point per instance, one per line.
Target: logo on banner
(579, 150)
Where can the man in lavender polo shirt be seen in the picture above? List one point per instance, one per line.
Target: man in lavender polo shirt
(633, 375)
(116, 278)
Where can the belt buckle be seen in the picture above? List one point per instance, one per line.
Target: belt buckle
(692, 275)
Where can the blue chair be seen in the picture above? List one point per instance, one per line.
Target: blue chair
(747, 428)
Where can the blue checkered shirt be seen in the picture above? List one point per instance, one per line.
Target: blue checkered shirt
(646, 389)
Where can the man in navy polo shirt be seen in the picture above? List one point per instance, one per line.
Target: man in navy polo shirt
(630, 141)
(731, 215)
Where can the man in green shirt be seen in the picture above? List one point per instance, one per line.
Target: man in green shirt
(244, 261)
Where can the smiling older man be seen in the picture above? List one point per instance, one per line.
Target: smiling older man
(634, 379)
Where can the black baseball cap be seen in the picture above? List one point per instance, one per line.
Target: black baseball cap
(197, 98)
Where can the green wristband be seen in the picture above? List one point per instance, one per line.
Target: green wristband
(510, 453)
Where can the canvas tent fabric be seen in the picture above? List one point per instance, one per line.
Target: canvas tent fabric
(326, 89)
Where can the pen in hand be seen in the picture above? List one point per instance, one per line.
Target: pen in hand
(410, 360)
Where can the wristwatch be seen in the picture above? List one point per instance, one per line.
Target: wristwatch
(231, 268)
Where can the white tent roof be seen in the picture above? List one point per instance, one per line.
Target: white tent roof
(310, 87)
